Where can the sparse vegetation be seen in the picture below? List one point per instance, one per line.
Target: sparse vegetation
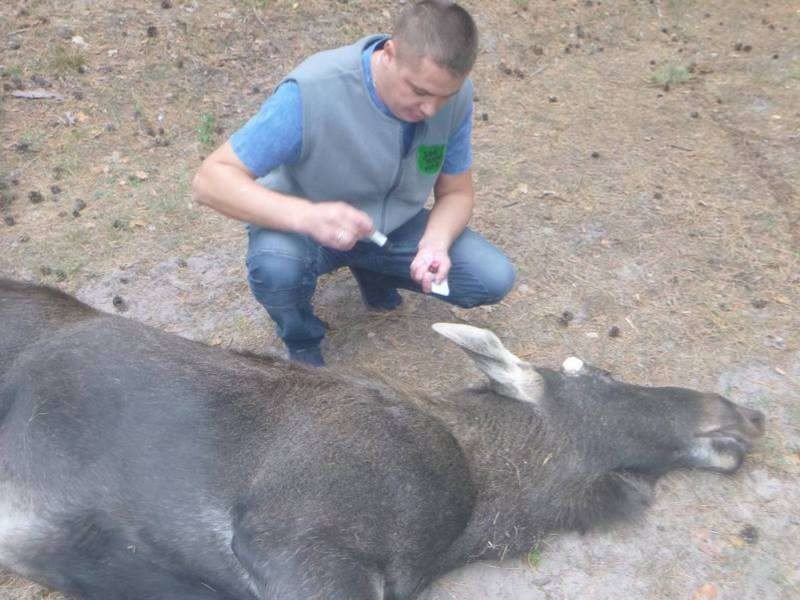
(64, 61)
(206, 129)
(671, 75)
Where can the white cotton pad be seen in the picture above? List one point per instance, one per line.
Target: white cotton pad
(441, 288)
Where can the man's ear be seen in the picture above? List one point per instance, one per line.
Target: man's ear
(390, 50)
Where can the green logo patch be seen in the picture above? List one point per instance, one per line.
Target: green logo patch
(430, 159)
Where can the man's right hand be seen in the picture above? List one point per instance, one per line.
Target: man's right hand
(336, 225)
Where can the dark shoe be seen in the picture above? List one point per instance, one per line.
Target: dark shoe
(381, 299)
(307, 356)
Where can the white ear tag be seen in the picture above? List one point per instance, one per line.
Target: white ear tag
(572, 366)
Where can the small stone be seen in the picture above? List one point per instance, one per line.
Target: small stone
(78, 207)
(166, 3)
(119, 303)
(41, 81)
(118, 224)
(614, 332)
(9, 220)
(759, 303)
(595, 154)
(152, 31)
(14, 44)
(749, 534)
(658, 195)
(24, 238)
(552, 99)
(46, 271)
(65, 33)
(484, 117)
(695, 114)
(55, 190)
(566, 318)
(774, 57)
(35, 197)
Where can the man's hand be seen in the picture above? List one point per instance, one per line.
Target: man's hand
(336, 225)
(431, 264)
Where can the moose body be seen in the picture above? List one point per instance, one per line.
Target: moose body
(136, 464)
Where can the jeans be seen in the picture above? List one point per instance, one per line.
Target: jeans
(283, 269)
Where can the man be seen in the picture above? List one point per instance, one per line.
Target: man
(352, 142)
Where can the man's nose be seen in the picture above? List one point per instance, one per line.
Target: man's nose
(429, 108)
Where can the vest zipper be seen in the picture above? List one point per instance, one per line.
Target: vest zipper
(420, 131)
(397, 176)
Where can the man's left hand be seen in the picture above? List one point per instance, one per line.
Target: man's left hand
(431, 264)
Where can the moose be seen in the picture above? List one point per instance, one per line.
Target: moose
(137, 464)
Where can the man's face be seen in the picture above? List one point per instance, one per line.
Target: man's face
(413, 88)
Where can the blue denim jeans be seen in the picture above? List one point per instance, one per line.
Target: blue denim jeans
(283, 269)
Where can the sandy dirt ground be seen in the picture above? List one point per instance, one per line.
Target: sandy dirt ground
(639, 161)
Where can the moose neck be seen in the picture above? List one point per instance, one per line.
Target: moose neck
(531, 479)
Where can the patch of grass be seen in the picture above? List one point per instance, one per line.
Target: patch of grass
(523, 4)
(67, 60)
(205, 131)
(671, 75)
(535, 556)
(12, 71)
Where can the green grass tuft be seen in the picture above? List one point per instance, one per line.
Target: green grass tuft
(671, 75)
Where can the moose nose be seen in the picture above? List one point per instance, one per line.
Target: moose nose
(753, 418)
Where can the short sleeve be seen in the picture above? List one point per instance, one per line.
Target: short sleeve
(273, 136)
(458, 157)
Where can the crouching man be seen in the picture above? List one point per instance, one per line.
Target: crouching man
(352, 142)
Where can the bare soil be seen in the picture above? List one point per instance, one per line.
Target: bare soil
(638, 160)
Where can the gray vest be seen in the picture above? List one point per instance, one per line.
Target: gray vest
(354, 152)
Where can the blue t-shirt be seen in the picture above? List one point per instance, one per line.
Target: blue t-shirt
(274, 136)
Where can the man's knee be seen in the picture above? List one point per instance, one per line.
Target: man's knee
(491, 283)
(499, 280)
(278, 261)
(273, 273)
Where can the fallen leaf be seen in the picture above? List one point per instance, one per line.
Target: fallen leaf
(736, 541)
(781, 299)
(707, 591)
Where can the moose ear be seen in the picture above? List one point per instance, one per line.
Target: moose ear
(508, 374)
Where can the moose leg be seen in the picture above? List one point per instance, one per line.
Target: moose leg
(311, 569)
